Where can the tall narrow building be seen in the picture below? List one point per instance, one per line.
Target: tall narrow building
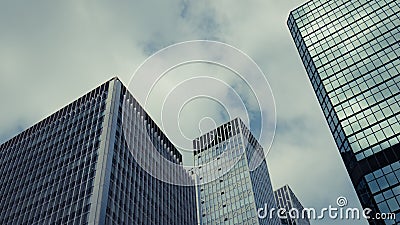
(81, 166)
(286, 199)
(350, 50)
(233, 178)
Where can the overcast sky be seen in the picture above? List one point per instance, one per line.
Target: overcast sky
(52, 52)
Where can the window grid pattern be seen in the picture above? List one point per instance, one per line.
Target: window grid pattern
(354, 47)
(351, 52)
(229, 192)
(47, 171)
(384, 185)
(325, 102)
(135, 196)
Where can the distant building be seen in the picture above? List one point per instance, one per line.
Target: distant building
(351, 52)
(231, 187)
(77, 167)
(286, 199)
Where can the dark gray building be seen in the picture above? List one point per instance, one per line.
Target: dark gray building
(233, 178)
(80, 166)
(286, 199)
(351, 50)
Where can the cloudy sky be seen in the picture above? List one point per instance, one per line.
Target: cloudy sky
(52, 52)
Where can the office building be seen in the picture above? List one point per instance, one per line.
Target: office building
(81, 166)
(233, 179)
(287, 200)
(350, 50)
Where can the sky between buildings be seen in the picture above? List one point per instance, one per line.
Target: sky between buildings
(52, 52)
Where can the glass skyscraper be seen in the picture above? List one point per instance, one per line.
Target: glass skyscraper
(233, 179)
(286, 199)
(350, 50)
(77, 166)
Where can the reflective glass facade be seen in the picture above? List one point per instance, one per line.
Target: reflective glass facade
(351, 50)
(286, 199)
(75, 167)
(230, 189)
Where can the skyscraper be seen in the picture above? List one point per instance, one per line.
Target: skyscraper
(350, 50)
(286, 199)
(81, 166)
(232, 176)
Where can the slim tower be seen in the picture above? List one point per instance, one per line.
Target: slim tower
(286, 199)
(233, 179)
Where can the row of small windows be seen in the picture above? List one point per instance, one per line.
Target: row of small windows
(232, 197)
(383, 94)
(314, 10)
(375, 134)
(40, 192)
(228, 193)
(354, 105)
(35, 132)
(131, 199)
(384, 184)
(63, 156)
(361, 82)
(372, 57)
(346, 26)
(238, 213)
(220, 134)
(48, 176)
(133, 192)
(135, 126)
(231, 182)
(371, 116)
(67, 138)
(224, 149)
(380, 57)
(391, 141)
(348, 51)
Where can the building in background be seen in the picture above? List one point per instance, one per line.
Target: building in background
(233, 178)
(78, 166)
(286, 199)
(350, 50)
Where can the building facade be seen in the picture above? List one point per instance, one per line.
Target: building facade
(350, 50)
(286, 199)
(233, 179)
(80, 166)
